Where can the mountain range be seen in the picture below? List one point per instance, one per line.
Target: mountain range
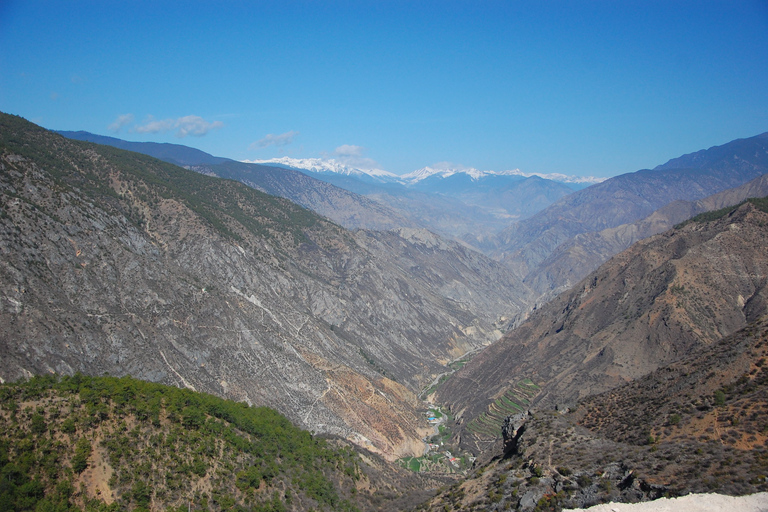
(549, 234)
(452, 202)
(619, 201)
(609, 346)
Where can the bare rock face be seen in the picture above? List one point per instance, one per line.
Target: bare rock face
(645, 308)
(113, 262)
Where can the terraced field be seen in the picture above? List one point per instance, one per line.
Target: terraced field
(487, 426)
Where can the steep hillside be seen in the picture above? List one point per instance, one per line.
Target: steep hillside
(346, 208)
(644, 308)
(116, 262)
(574, 259)
(698, 425)
(625, 199)
(103, 443)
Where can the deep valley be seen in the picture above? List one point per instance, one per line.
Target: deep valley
(181, 331)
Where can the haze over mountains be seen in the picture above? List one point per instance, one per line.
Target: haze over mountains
(549, 234)
(114, 261)
(453, 202)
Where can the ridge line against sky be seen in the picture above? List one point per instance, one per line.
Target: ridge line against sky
(574, 87)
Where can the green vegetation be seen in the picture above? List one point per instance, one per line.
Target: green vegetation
(760, 204)
(106, 443)
(431, 389)
(514, 401)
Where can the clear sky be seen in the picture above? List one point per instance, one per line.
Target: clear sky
(585, 87)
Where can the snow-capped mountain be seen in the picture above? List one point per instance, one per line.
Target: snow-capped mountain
(320, 165)
(476, 174)
(428, 172)
(330, 165)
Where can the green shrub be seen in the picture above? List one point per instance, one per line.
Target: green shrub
(82, 452)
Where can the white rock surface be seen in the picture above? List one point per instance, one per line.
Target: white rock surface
(691, 503)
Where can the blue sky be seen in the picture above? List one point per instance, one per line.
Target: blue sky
(580, 87)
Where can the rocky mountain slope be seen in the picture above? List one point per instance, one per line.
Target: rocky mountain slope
(577, 257)
(644, 308)
(695, 426)
(626, 199)
(116, 262)
(349, 209)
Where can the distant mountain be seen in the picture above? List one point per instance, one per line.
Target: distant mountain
(329, 166)
(348, 209)
(113, 261)
(644, 308)
(477, 175)
(172, 153)
(577, 257)
(743, 154)
(462, 203)
(625, 199)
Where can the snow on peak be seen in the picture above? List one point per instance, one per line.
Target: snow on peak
(325, 166)
(443, 172)
(330, 165)
(554, 176)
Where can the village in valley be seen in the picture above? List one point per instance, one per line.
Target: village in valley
(438, 457)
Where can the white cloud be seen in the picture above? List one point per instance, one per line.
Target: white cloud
(195, 125)
(352, 156)
(187, 125)
(152, 126)
(349, 150)
(120, 122)
(274, 140)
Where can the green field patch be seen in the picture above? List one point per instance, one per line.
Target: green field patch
(514, 401)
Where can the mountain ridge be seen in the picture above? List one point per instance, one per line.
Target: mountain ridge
(620, 200)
